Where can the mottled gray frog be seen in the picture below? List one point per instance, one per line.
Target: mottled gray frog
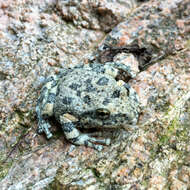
(87, 96)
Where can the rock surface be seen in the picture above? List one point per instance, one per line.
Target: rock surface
(38, 38)
(98, 15)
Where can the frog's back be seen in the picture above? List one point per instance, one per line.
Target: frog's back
(81, 90)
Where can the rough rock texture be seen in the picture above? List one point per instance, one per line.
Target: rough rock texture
(152, 32)
(35, 41)
(99, 15)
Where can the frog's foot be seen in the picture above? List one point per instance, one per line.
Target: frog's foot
(76, 137)
(84, 139)
(43, 126)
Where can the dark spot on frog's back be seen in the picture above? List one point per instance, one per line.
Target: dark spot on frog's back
(102, 81)
(87, 99)
(89, 86)
(67, 100)
(74, 86)
(88, 81)
(116, 94)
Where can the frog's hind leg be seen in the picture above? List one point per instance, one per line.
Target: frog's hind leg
(44, 108)
(76, 137)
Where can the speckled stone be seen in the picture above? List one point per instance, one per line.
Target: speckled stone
(153, 31)
(98, 15)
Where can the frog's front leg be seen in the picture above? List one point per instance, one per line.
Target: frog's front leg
(44, 108)
(73, 135)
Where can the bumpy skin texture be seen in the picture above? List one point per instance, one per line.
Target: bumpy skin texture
(87, 96)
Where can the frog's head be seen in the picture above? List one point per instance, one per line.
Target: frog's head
(103, 117)
(111, 109)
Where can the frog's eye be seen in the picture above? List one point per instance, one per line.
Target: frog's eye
(102, 113)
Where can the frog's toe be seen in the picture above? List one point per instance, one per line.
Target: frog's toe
(44, 127)
(84, 139)
(105, 141)
(98, 147)
(49, 135)
(97, 143)
(102, 141)
(92, 145)
(40, 130)
(108, 141)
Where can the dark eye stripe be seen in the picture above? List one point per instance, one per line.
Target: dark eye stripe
(103, 81)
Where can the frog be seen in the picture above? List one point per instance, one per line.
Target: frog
(87, 96)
